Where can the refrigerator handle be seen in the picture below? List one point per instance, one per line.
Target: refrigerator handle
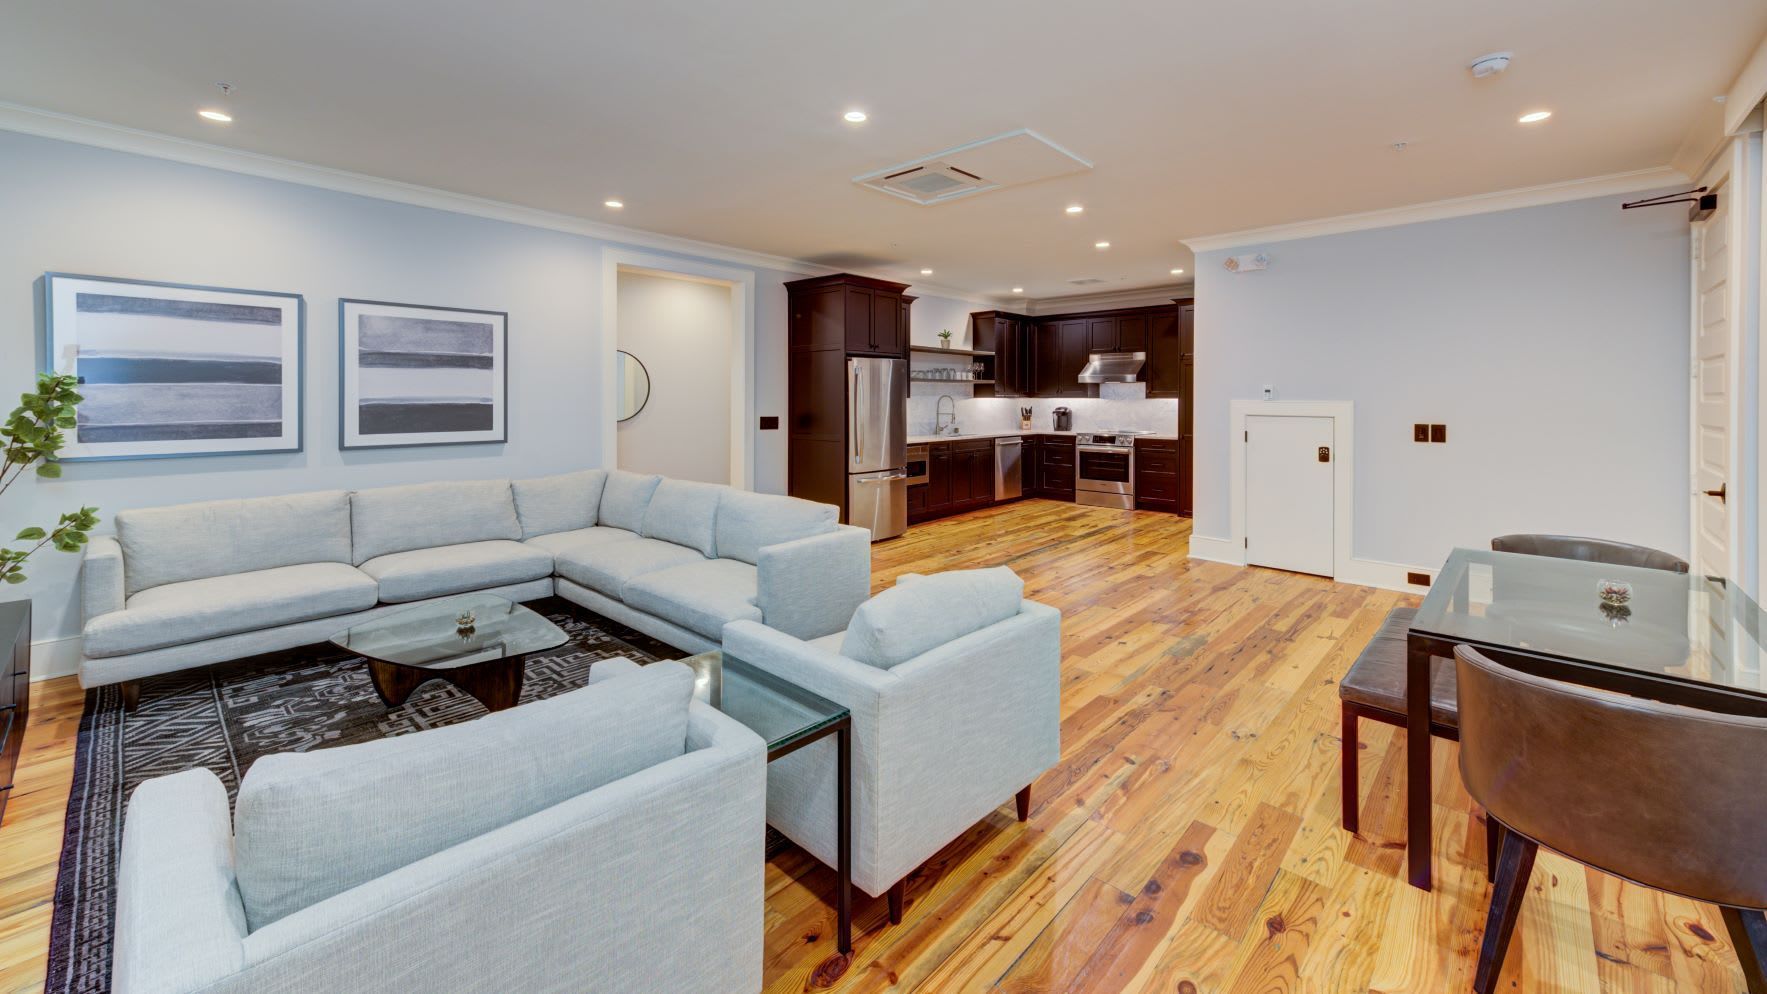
(857, 408)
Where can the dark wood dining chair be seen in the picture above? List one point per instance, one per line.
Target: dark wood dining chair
(1606, 780)
(1375, 686)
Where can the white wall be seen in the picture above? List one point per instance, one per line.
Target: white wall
(681, 331)
(1552, 341)
(80, 209)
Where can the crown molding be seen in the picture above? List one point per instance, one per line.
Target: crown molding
(1147, 296)
(84, 131)
(1746, 93)
(1481, 203)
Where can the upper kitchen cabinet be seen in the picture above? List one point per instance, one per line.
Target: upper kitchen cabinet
(1010, 338)
(865, 316)
(1062, 348)
(1171, 350)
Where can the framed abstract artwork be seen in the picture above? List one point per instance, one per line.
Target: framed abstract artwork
(416, 375)
(171, 369)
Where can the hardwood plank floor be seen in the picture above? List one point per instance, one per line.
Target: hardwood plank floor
(1187, 843)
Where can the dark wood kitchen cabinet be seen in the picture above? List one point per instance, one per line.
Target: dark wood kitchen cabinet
(1011, 337)
(829, 318)
(1156, 474)
(1054, 467)
(959, 477)
(1062, 350)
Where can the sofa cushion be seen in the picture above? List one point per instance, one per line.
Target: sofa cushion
(606, 567)
(549, 504)
(164, 545)
(749, 522)
(923, 612)
(559, 543)
(178, 613)
(425, 515)
(624, 499)
(685, 513)
(314, 824)
(453, 569)
(701, 597)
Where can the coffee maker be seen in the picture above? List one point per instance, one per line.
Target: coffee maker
(1064, 419)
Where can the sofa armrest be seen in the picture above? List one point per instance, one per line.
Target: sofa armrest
(810, 587)
(848, 682)
(101, 577)
(180, 924)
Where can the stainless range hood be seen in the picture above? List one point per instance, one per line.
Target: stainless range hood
(1112, 367)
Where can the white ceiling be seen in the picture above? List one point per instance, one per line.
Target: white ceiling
(722, 121)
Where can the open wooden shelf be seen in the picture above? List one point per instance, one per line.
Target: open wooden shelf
(935, 350)
(928, 379)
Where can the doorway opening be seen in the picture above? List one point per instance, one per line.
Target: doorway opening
(677, 369)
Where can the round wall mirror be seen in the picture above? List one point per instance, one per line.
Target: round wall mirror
(634, 384)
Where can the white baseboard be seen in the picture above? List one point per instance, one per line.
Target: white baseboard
(53, 658)
(1362, 572)
(1217, 550)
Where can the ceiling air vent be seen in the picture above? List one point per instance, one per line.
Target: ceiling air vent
(1086, 281)
(1010, 159)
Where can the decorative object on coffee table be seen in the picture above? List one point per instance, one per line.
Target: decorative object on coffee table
(169, 369)
(434, 641)
(415, 375)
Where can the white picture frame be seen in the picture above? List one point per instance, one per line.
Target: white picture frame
(413, 374)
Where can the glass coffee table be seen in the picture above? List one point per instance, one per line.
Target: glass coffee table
(788, 718)
(477, 642)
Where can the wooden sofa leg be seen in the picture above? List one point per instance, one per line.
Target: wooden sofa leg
(131, 696)
(1352, 775)
(1493, 846)
(1024, 804)
(898, 891)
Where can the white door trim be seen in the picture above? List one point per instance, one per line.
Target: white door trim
(742, 356)
(1342, 413)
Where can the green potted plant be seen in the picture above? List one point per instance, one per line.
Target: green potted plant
(945, 339)
(32, 436)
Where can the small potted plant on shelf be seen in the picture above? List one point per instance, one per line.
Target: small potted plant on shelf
(32, 436)
(945, 339)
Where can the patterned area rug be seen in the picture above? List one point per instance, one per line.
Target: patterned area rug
(224, 717)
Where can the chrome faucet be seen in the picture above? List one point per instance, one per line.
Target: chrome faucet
(940, 414)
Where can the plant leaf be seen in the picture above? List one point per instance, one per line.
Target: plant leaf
(49, 471)
(30, 535)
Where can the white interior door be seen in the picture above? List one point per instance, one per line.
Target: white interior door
(1289, 462)
(1711, 391)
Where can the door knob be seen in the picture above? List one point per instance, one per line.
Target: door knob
(1719, 493)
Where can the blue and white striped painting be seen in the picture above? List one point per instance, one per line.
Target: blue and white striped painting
(169, 370)
(421, 375)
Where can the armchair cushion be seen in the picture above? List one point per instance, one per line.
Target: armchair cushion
(749, 522)
(452, 569)
(179, 613)
(685, 513)
(624, 499)
(561, 503)
(922, 612)
(164, 545)
(311, 825)
(426, 515)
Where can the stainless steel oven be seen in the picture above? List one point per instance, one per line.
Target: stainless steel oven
(1105, 474)
(918, 458)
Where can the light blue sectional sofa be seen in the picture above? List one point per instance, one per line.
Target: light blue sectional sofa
(194, 584)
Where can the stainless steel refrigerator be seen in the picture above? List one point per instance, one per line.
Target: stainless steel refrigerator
(877, 446)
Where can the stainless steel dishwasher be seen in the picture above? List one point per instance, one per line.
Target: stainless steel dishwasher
(1009, 468)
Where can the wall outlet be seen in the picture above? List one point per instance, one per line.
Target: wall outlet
(1417, 579)
(1269, 392)
(1438, 433)
(1420, 433)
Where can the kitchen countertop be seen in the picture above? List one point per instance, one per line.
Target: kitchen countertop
(968, 436)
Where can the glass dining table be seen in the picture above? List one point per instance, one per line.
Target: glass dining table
(1676, 637)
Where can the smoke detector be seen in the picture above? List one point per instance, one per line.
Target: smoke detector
(1490, 65)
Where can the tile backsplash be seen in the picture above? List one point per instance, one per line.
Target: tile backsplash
(1119, 405)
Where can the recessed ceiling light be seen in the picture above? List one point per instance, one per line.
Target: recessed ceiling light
(926, 272)
(1101, 245)
(854, 117)
(1177, 272)
(1075, 208)
(613, 204)
(218, 116)
(1018, 289)
(1534, 117)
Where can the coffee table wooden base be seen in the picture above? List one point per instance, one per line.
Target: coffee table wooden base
(496, 683)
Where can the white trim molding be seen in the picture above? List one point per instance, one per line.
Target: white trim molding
(1481, 203)
(1150, 296)
(742, 367)
(1343, 415)
(1361, 572)
(52, 658)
